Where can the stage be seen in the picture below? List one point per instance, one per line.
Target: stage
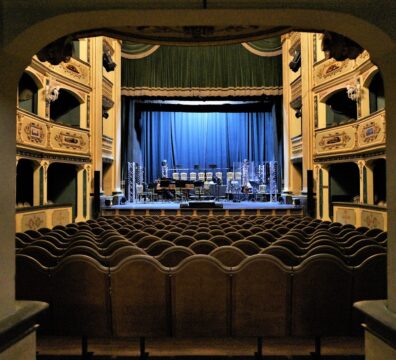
(196, 208)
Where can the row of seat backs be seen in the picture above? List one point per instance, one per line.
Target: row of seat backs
(233, 232)
(200, 297)
(230, 254)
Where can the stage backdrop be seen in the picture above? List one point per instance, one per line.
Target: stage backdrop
(203, 135)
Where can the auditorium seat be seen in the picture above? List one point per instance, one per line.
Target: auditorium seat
(202, 247)
(221, 240)
(173, 256)
(287, 257)
(215, 232)
(45, 244)
(146, 241)
(247, 246)
(184, 240)
(321, 297)
(107, 251)
(42, 255)
(364, 253)
(32, 282)
(171, 236)
(158, 247)
(325, 249)
(33, 234)
(381, 237)
(293, 247)
(120, 254)
(358, 245)
(24, 237)
(200, 304)
(369, 284)
(267, 236)
(81, 299)
(261, 292)
(202, 235)
(229, 256)
(87, 251)
(234, 236)
(139, 309)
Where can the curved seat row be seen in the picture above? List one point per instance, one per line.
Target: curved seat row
(201, 297)
(230, 253)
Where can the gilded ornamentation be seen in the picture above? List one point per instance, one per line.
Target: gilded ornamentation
(334, 141)
(346, 216)
(372, 220)
(69, 140)
(370, 132)
(33, 221)
(35, 133)
(61, 217)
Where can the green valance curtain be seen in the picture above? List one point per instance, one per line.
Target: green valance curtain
(173, 71)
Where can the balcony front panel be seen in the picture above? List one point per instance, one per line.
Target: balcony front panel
(359, 136)
(48, 137)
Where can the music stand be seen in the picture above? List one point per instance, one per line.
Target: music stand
(199, 184)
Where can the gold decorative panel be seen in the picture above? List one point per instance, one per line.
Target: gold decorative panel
(69, 140)
(371, 131)
(34, 221)
(373, 219)
(335, 140)
(37, 133)
(330, 69)
(358, 136)
(345, 216)
(31, 131)
(74, 70)
(61, 217)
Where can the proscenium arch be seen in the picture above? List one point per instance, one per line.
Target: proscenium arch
(21, 41)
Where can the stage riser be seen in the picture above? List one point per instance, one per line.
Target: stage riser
(199, 212)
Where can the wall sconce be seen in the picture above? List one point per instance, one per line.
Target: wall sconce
(353, 91)
(51, 93)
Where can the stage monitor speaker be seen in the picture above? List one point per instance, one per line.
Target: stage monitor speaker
(310, 194)
(204, 205)
(96, 202)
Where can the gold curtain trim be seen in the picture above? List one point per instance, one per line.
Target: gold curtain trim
(261, 53)
(142, 55)
(190, 92)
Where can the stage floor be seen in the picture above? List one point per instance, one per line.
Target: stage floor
(223, 208)
(227, 205)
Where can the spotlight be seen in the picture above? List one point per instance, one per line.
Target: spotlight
(108, 62)
(295, 64)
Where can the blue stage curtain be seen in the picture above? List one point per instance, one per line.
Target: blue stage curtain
(204, 138)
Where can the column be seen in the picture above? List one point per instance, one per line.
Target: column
(366, 177)
(80, 190)
(40, 185)
(116, 168)
(322, 192)
(287, 188)
(308, 123)
(96, 104)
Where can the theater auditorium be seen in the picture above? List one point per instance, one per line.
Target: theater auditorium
(198, 181)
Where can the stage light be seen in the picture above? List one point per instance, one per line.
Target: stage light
(295, 64)
(108, 62)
